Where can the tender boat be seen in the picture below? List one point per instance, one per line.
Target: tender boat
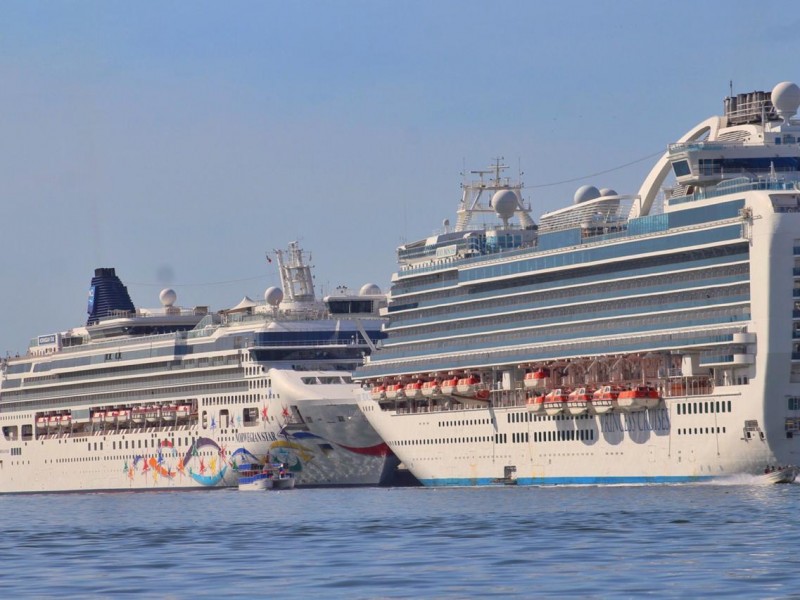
(639, 398)
(253, 477)
(555, 401)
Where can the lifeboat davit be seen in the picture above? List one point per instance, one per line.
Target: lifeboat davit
(555, 401)
(536, 379)
(449, 386)
(395, 390)
(579, 401)
(639, 398)
(413, 389)
(378, 392)
(431, 389)
(536, 405)
(605, 399)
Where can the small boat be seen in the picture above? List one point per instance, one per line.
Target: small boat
(395, 390)
(639, 398)
(65, 421)
(53, 422)
(98, 417)
(605, 399)
(449, 386)
(121, 416)
(779, 475)
(168, 412)
(431, 388)
(252, 477)
(536, 379)
(555, 401)
(378, 392)
(279, 477)
(413, 389)
(579, 401)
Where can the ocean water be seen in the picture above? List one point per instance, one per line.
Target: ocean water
(738, 540)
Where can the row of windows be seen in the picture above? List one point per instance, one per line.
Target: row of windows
(695, 408)
(607, 309)
(794, 403)
(624, 285)
(465, 422)
(700, 430)
(570, 435)
(528, 417)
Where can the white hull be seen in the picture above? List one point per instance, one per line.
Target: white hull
(645, 446)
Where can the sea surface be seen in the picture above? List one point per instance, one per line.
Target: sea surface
(738, 540)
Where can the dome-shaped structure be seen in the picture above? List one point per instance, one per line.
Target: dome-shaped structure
(604, 192)
(167, 297)
(273, 296)
(786, 99)
(369, 289)
(586, 193)
(505, 203)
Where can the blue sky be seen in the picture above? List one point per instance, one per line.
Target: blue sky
(181, 141)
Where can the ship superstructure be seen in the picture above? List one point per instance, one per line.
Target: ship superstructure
(178, 398)
(643, 338)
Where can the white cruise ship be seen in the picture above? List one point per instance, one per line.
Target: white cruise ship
(622, 339)
(174, 398)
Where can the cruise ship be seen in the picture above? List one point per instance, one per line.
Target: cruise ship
(174, 398)
(647, 338)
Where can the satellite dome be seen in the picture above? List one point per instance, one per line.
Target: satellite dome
(585, 193)
(505, 203)
(369, 289)
(608, 192)
(167, 297)
(786, 99)
(273, 296)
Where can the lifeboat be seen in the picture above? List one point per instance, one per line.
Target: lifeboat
(53, 422)
(431, 388)
(579, 401)
(605, 399)
(120, 416)
(395, 391)
(413, 390)
(536, 405)
(98, 417)
(41, 424)
(183, 411)
(65, 421)
(467, 386)
(378, 392)
(137, 416)
(168, 412)
(449, 386)
(555, 401)
(639, 398)
(535, 379)
(152, 414)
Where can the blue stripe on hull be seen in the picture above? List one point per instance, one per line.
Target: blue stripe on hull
(568, 480)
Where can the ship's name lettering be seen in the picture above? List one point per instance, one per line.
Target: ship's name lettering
(257, 436)
(653, 420)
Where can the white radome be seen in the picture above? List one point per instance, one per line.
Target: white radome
(167, 297)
